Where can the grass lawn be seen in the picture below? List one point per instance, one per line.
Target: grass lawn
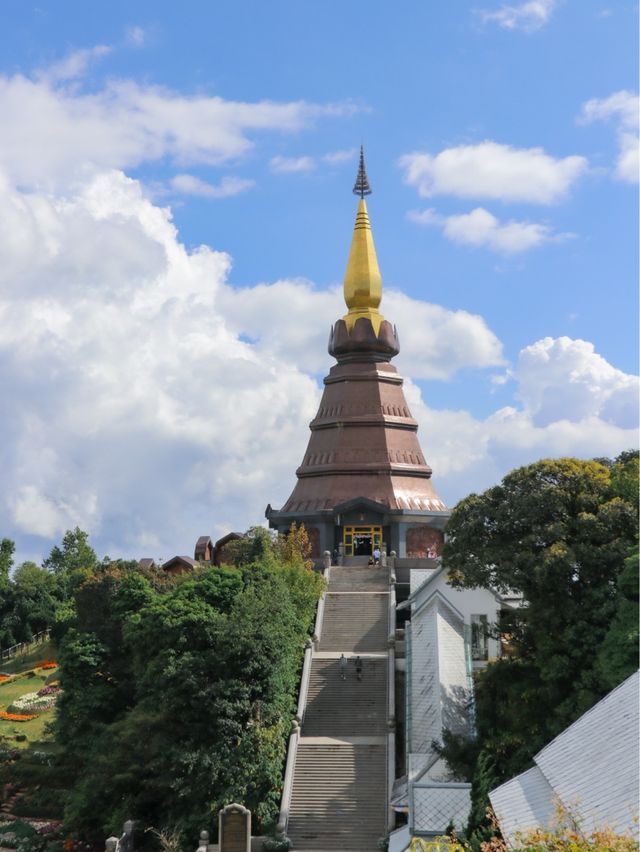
(22, 662)
(34, 730)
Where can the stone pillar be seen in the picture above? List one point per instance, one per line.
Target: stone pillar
(326, 559)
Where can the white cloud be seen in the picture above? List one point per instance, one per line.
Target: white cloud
(72, 66)
(624, 108)
(493, 170)
(528, 16)
(565, 379)
(125, 378)
(276, 316)
(53, 134)
(292, 164)
(191, 185)
(335, 158)
(136, 36)
(151, 402)
(481, 228)
(573, 403)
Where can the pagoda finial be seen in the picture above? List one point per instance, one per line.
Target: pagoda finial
(362, 280)
(361, 186)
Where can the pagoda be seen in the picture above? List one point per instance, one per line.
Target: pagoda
(364, 481)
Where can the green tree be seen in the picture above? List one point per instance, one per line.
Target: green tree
(558, 532)
(618, 655)
(178, 700)
(7, 549)
(256, 545)
(73, 562)
(34, 599)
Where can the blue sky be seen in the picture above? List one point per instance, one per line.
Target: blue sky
(176, 213)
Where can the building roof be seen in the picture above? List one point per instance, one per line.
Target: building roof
(185, 561)
(591, 769)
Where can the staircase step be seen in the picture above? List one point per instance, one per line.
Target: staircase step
(349, 707)
(338, 799)
(358, 579)
(356, 622)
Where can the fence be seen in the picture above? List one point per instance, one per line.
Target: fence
(23, 647)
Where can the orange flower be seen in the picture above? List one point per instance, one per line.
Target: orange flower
(47, 664)
(3, 678)
(17, 717)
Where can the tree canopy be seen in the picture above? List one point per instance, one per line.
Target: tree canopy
(559, 532)
(177, 699)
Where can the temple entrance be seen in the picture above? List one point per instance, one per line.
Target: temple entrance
(361, 541)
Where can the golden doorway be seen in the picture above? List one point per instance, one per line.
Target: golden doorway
(361, 541)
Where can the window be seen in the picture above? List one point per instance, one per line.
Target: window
(479, 632)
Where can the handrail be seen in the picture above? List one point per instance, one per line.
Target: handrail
(287, 787)
(317, 631)
(38, 639)
(292, 750)
(304, 682)
(391, 702)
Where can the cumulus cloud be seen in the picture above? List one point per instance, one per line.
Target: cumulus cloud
(624, 109)
(492, 170)
(51, 133)
(292, 164)
(529, 16)
(565, 379)
(435, 342)
(186, 184)
(573, 403)
(132, 401)
(481, 228)
(152, 402)
(74, 65)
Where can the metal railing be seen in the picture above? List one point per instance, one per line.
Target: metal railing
(296, 725)
(38, 639)
(391, 700)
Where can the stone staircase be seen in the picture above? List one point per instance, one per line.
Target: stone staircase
(337, 708)
(339, 797)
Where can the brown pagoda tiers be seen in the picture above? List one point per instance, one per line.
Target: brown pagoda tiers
(364, 480)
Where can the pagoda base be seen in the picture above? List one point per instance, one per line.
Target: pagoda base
(357, 526)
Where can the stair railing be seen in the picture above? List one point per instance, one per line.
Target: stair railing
(296, 724)
(391, 701)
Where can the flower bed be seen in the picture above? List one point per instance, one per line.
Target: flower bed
(16, 717)
(47, 664)
(35, 702)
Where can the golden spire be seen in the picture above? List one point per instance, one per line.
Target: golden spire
(362, 280)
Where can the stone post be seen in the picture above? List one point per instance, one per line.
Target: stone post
(204, 842)
(326, 559)
(341, 553)
(391, 561)
(383, 556)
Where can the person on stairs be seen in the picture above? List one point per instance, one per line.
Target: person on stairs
(358, 668)
(376, 555)
(343, 667)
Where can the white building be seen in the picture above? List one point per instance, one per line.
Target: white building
(448, 637)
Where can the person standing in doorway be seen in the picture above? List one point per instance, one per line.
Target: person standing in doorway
(358, 668)
(343, 667)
